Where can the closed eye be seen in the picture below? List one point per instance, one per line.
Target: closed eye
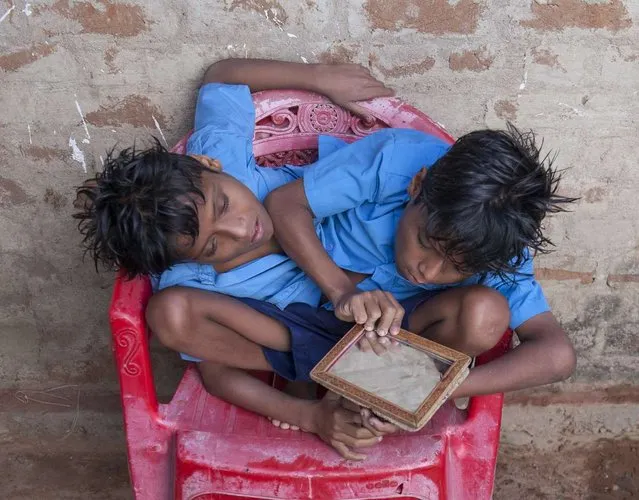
(423, 242)
(225, 205)
(211, 248)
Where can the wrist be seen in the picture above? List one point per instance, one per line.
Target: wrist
(318, 72)
(308, 416)
(337, 293)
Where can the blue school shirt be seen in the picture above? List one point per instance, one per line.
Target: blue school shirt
(224, 125)
(357, 193)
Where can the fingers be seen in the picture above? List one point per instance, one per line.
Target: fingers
(358, 110)
(376, 90)
(373, 313)
(364, 345)
(375, 425)
(376, 310)
(356, 443)
(382, 426)
(378, 345)
(392, 314)
(345, 452)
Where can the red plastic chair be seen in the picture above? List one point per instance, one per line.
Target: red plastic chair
(199, 447)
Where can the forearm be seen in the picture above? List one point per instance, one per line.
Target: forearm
(531, 364)
(261, 74)
(295, 232)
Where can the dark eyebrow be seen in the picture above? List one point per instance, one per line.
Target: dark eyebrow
(214, 192)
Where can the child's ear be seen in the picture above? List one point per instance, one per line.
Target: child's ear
(415, 185)
(209, 163)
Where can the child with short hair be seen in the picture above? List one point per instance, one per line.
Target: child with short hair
(455, 257)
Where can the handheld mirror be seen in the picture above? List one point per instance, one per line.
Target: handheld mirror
(405, 385)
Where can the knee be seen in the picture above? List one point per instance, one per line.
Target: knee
(168, 315)
(564, 360)
(484, 317)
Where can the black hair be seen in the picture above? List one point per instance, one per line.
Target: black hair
(136, 207)
(484, 200)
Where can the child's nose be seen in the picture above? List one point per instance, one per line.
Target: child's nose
(236, 228)
(430, 269)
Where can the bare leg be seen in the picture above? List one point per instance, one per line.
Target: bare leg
(470, 319)
(205, 325)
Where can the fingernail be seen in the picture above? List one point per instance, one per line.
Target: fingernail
(379, 439)
(370, 335)
(368, 328)
(394, 330)
(383, 341)
(381, 333)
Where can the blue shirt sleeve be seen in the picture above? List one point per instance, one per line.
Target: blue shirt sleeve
(348, 176)
(375, 169)
(524, 294)
(225, 108)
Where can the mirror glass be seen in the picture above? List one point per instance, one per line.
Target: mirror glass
(403, 375)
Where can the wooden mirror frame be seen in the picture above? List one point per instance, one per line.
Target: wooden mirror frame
(410, 421)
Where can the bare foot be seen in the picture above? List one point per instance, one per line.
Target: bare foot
(301, 390)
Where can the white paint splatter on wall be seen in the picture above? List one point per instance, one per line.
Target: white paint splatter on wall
(86, 129)
(77, 154)
(27, 9)
(7, 13)
(157, 125)
(29, 129)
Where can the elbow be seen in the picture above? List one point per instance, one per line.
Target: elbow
(219, 72)
(564, 361)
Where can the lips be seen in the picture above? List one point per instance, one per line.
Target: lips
(410, 276)
(258, 231)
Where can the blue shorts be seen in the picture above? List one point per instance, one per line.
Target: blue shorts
(314, 332)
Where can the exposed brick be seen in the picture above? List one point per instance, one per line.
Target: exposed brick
(44, 153)
(416, 68)
(106, 17)
(338, 54)
(620, 394)
(623, 278)
(15, 60)
(544, 273)
(426, 16)
(560, 14)
(506, 110)
(272, 9)
(109, 56)
(11, 193)
(473, 60)
(546, 58)
(134, 109)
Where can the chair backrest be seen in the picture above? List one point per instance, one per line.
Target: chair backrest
(288, 123)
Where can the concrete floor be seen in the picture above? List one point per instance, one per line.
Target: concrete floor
(79, 76)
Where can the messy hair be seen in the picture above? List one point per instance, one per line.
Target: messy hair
(136, 207)
(484, 201)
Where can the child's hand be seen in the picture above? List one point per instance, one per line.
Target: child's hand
(340, 425)
(378, 311)
(373, 342)
(375, 424)
(345, 84)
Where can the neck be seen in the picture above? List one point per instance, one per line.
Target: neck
(269, 247)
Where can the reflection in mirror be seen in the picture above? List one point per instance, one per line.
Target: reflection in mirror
(403, 375)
